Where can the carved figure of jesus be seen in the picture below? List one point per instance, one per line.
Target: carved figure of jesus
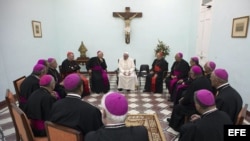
(127, 16)
(127, 21)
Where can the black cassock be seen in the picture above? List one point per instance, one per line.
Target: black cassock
(72, 112)
(58, 88)
(118, 133)
(186, 107)
(179, 69)
(158, 67)
(229, 101)
(69, 67)
(29, 85)
(99, 81)
(38, 109)
(209, 128)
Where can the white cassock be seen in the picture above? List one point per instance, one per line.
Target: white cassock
(127, 81)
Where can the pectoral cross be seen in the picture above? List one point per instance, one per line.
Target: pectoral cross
(127, 16)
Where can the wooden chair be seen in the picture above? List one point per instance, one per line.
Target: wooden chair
(58, 132)
(241, 115)
(17, 84)
(9, 98)
(22, 123)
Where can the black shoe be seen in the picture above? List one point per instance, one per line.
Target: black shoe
(169, 119)
(170, 100)
(120, 89)
(128, 90)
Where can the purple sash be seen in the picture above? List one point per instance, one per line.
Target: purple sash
(22, 99)
(104, 74)
(37, 124)
(173, 82)
(181, 86)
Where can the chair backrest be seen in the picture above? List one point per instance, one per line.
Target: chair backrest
(58, 132)
(17, 84)
(9, 98)
(23, 125)
(242, 115)
(144, 69)
(24, 129)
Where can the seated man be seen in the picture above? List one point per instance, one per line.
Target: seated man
(154, 80)
(97, 69)
(58, 79)
(72, 111)
(44, 62)
(179, 70)
(127, 76)
(227, 98)
(69, 65)
(210, 127)
(182, 84)
(186, 106)
(114, 111)
(39, 104)
(30, 84)
(209, 67)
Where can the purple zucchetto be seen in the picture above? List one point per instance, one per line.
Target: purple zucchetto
(195, 59)
(71, 81)
(41, 61)
(116, 103)
(205, 97)
(196, 70)
(211, 65)
(221, 73)
(38, 67)
(180, 54)
(45, 80)
(50, 60)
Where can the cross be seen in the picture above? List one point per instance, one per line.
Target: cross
(127, 16)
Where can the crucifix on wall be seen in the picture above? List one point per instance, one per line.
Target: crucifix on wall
(127, 16)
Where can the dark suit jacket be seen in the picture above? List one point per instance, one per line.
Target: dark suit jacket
(133, 133)
(230, 101)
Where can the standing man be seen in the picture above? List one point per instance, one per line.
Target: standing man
(127, 76)
(97, 69)
(69, 65)
(227, 98)
(154, 79)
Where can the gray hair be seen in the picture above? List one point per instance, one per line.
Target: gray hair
(117, 119)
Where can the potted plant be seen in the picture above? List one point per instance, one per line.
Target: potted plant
(162, 47)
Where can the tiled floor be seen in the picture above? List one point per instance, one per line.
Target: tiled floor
(138, 103)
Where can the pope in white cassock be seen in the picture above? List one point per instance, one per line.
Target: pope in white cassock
(127, 76)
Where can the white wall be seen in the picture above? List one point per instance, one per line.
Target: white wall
(231, 53)
(66, 23)
(171, 21)
(19, 49)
